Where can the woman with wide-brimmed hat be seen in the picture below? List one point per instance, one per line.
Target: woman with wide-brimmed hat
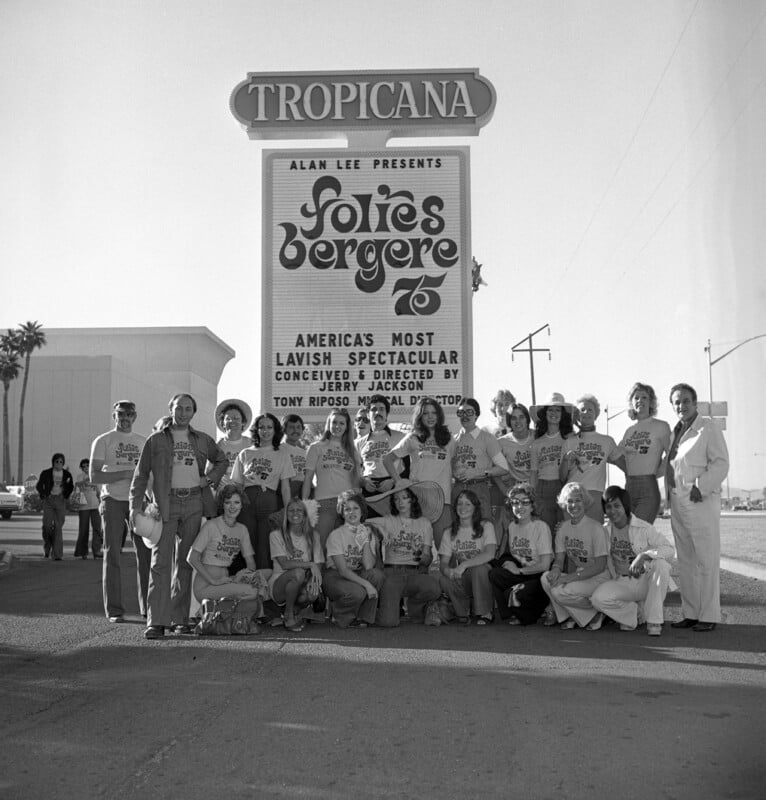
(553, 425)
(407, 540)
(232, 416)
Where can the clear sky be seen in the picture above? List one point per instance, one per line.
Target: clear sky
(618, 194)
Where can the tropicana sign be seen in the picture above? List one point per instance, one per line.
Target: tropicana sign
(279, 105)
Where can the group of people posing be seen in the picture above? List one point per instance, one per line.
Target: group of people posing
(513, 513)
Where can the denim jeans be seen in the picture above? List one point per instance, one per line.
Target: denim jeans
(404, 581)
(114, 517)
(89, 518)
(349, 599)
(54, 515)
(170, 581)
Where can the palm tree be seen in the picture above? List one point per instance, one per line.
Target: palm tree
(30, 338)
(9, 371)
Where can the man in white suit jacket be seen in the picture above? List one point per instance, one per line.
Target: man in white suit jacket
(698, 462)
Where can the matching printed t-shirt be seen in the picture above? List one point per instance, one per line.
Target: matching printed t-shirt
(119, 451)
(232, 448)
(349, 543)
(185, 473)
(262, 466)
(593, 451)
(402, 537)
(302, 551)
(528, 543)
(464, 546)
(519, 458)
(644, 443)
(546, 453)
(581, 543)
(373, 447)
(476, 451)
(218, 544)
(428, 460)
(332, 466)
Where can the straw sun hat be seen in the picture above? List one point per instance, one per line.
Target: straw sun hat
(429, 494)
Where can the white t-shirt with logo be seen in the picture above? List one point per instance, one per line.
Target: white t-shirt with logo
(402, 537)
(218, 544)
(262, 466)
(119, 451)
(185, 473)
(464, 546)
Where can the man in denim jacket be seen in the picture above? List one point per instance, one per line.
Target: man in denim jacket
(176, 457)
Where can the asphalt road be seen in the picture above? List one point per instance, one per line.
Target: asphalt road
(89, 709)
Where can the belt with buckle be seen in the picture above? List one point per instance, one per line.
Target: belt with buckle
(185, 492)
(473, 481)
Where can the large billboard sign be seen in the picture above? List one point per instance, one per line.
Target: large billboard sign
(307, 105)
(366, 278)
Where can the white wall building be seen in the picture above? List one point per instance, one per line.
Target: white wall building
(77, 376)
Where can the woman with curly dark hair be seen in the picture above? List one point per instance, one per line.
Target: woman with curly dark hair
(263, 471)
(516, 580)
(430, 447)
(464, 558)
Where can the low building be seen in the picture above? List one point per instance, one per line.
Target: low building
(77, 376)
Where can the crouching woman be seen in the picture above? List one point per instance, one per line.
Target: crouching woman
(638, 556)
(351, 580)
(215, 547)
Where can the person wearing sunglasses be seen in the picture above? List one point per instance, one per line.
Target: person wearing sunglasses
(361, 423)
(477, 457)
(515, 579)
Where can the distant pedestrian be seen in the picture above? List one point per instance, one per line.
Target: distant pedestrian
(87, 509)
(54, 487)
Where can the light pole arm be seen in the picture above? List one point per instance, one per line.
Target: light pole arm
(736, 347)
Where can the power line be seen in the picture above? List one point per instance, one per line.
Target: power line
(633, 138)
(677, 156)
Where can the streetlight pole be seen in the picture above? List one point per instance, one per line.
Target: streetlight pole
(517, 348)
(711, 361)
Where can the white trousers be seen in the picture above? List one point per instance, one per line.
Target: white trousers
(621, 597)
(573, 599)
(697, 533)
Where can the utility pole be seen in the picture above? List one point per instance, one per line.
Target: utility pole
(517, 348)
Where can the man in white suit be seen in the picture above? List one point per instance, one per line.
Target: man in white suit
(698, 462)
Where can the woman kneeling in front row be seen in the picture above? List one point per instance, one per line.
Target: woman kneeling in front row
(581, 543)
(215, 547)
(351, 580)
(464, 556)
(638, 555)
(516, 582)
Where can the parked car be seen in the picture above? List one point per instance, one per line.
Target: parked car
(9, 502)
(742, 507)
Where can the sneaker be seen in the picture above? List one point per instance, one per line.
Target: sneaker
(653, 629)
(154, 632)
(117, 618)
(567, 624)
(357, 623)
